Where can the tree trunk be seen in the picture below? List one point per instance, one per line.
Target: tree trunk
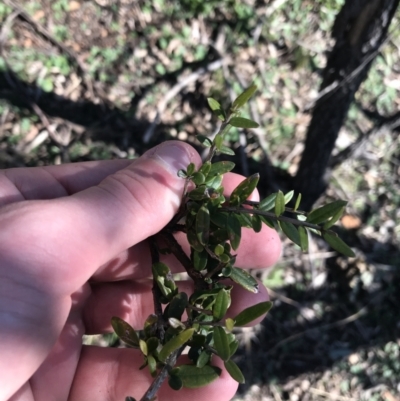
(360, 29)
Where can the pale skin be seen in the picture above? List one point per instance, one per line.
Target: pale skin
(73, 253)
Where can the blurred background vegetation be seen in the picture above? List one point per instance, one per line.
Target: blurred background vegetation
(90, 80)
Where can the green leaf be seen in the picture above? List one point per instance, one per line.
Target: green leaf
(221, 343)
(233, 346)
(205, 141)
(288, 197)
(297, 204)
(199, 193)
(279, 203)
(174, 343)
(245, 279)
(325, 212)
(221, 305)
(241, 122)
(198, 178)
(125, 332)
(143, 347)
(200, 260)
(216, 108)
(266, 220)
(220, 168)
(226, 151)
(152, 365)
(203, 359)
(194, 377)
(234, 371)
(203, 225)
(268, 203)
(303, 238)
(251, 313)
(334, 219)
(177, 305)
(194, 241)
(205, 168)
(338, 244)
(256, 222)
(242, 99)
(175, 382)
(291, 232)
(234, 231)
(229, 324)
(244, 190)
(191, 168)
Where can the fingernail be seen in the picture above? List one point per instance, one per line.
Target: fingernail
(172, 156)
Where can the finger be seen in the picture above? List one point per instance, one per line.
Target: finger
(133, 302)
(113, 374)
(64, 241)
(49, 182)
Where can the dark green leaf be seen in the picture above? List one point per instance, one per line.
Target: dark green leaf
(222, 303)
(219, 218)
(334, 219)
(233, 346)
(199, 193)
(125, 332)
(279, 203)
(257, 223)
(298, 200)
(198, 178)
(130, 399)
(200, 260)
(174, 343)
(234, 371)
(245, 220)
(203, 359)
(216, 108)
(191, 168)
(268, 203)
(266, 220)
(241, 122)
(288, 197)
(245, 279)
(234, 231)
(242, 99)
(303, 238)
(205, 168)
(325, 212)
(204, 140)
(220, 168)
(194, 377)
(175, 382)
(221, 343)
(152, 344)
(337, 244)
(194, 241)
(226, 151)
(244, 190)
(203, 225)
(177, 305)
(251, 313)
(291, 232)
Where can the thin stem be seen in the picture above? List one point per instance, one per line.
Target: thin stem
(162, 375)
(274, 217)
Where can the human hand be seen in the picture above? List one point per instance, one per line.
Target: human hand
(73, 254)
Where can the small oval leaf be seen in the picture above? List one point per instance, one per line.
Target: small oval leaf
(279, 203)
(226, 151)
(222, 303)
(175, 382)
(297, 204)
(288, 197)
(204, 140)
(334, 218)
(268, 203)
(234, 231)
(244, 190)
(325, 212)
(242, 99)
(291, 232)
(174, 343)
(338, 244)
(125, 332)
(221, 343)
(251, 313)
(220, 168)
(303, 238)
(245, 279)
(241, 122)
(194, 377)
(234, 371)
(203, 225)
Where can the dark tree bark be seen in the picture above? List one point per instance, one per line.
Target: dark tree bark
(359, 30)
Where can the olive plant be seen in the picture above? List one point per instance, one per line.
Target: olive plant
(212, 223)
